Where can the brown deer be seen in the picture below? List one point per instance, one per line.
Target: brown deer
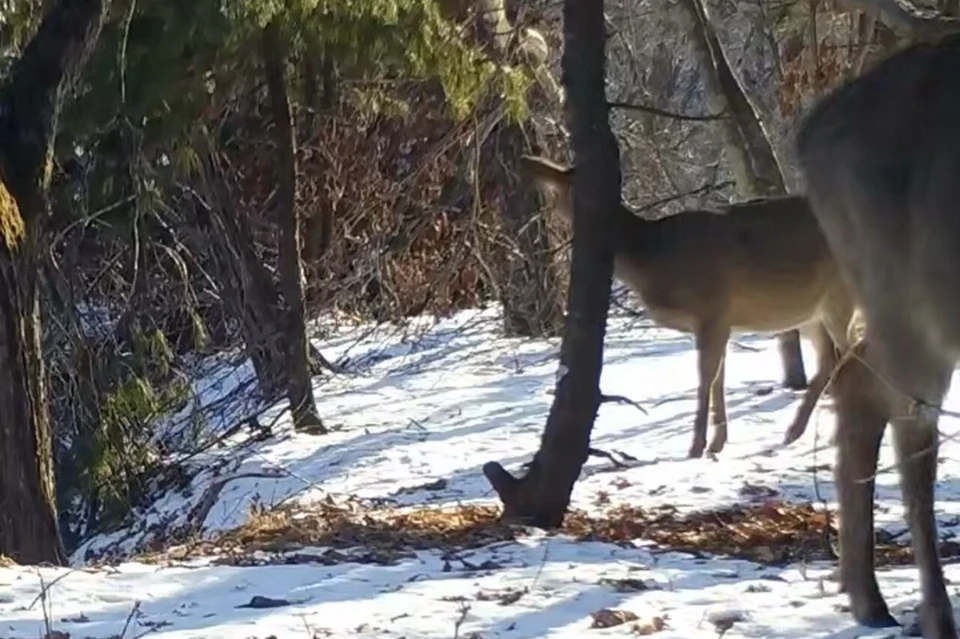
(762, 265)
(881, 156)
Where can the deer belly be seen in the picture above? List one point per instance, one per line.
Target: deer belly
(768, 309)
(672, 301)
(677, 319)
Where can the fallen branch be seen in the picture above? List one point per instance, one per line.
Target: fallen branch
(620, 399)
(663, 113)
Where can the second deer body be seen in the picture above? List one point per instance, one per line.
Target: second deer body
(761, 265)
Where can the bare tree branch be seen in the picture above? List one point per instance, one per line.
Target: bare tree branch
(664, 113)
(907, 19)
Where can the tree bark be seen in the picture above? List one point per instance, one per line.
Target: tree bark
(320, 97)
(906, 19)
(542, 496)
(30, 101)
(303, 406)
(752, 159)
(247, 288)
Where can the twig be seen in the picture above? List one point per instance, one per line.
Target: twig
(43, 597)
(464, 609)
(126, 624)
(697, 191)
(596, 452)
(45, 587)
(827, 542)
(643, 108)
(148, 631)
(620, 399)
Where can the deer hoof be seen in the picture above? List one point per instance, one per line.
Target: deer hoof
(696, 450)
(793, 434)
(932, 621)
(875, 616)
(795, 384)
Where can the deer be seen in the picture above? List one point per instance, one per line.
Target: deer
(761, 265)
(881, 159)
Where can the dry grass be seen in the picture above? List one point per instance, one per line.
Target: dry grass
(771, 533)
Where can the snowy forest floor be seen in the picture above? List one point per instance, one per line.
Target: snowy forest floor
(386, 527)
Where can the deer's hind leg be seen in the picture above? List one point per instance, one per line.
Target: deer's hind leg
(916, 437)
(861, 419)
(898, 368)
(711, 339)
(826, 362)
(916, 440)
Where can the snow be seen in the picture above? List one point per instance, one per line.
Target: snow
(414, 418)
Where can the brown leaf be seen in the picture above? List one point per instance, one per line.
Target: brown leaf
(624, 585)
(655, 624)
(608, 618)
(503, 598)
(723, 621)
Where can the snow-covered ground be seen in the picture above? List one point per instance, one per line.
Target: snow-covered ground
(414, 419)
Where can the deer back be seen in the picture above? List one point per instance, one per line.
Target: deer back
(882, 160)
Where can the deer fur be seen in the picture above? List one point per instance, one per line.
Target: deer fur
(761, 265)
(881, 156)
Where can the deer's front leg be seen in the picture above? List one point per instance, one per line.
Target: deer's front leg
(711, 341)
(718, 403)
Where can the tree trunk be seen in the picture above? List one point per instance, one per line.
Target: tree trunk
(319, 86)
(303, 406)
(248, 290)
(31, 98)
(541, 497)
(794, 375)
(752, 160)
(320, 97)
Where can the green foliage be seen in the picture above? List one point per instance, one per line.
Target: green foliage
(167, 61)
(385, 39)
(18, 21)
(181, 60)
(122, 451)
(151, 91)
(115, 400)
(402, 38)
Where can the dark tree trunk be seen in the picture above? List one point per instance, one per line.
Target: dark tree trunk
(320, 97)
(247, 287)
(319, 86)
(299, 387)
(31, 98)
(541, 497)
(794, 374)
(753, 162)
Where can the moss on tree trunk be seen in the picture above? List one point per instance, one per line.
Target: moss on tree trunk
(30, 101)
